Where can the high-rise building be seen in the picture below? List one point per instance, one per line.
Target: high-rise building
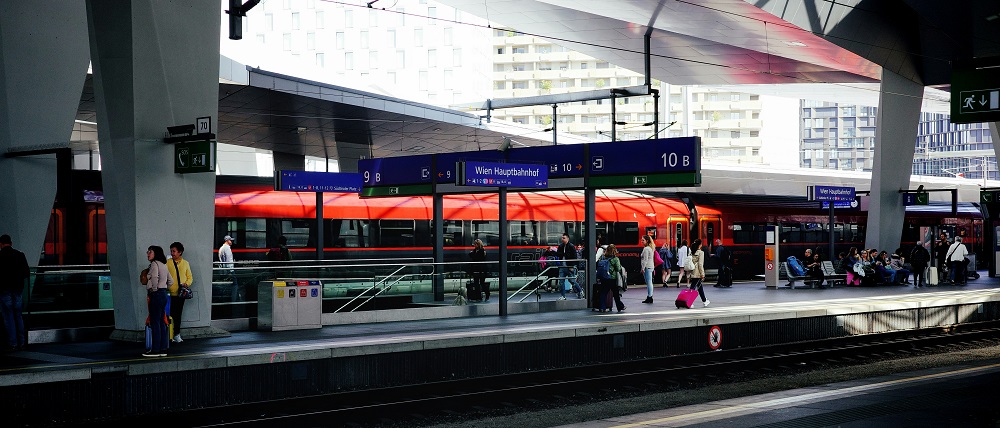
(837, 136)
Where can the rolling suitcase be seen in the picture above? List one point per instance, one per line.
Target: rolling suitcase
(686, 298)
(472, 292)
(932, 276)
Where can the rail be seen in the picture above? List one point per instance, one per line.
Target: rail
(540, 282)
(384, 287)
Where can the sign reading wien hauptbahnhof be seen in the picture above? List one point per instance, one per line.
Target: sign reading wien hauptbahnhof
(473, 173)
(829, 193)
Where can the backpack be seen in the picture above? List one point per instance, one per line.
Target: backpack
(795, 266)
(603, 268)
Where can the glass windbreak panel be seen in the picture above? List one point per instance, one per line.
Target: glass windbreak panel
(625, 233)
(349, 233)
(453, 234)
(815, 232)
(748, 233)
(486, 231)
(255, 235)
(396, 233)
(296, 232)
(523, 232)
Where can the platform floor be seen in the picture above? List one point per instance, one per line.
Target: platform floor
(745, 300)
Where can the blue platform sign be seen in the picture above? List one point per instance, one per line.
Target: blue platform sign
(663, 155)
(493, 174)
(830, 193)
(562, 161)
(309, 181)
(446, 164)
(853, 204)
(397, 171)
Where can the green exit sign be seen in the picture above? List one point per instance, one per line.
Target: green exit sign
(194, 156)
(975, 95)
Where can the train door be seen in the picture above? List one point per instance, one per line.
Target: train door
(711, 229)
(97, 237)
(677, 231)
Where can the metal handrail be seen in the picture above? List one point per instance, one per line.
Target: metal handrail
(382, 290)
(540, 274)
(376, 284)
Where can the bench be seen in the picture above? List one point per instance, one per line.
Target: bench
(807, 282)
(832, 276)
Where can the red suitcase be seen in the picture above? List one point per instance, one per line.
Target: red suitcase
(686, 298)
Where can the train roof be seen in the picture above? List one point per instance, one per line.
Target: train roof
(254, 201)
(723, 202)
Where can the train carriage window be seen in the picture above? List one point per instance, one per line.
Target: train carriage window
(255, 233)
(348, 234)
(523, 233)
(453, 234)
(625, 233)
(396, 233)
(555, 229)
(749, 233)
(296, 232)
(487, 231)
(791, 232)
(603, 235)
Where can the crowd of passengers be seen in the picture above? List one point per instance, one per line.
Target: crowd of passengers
(874, 267)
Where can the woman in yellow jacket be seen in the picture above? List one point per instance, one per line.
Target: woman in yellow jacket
(698, 274)
(180, 271)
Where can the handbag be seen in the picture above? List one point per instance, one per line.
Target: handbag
(183, 291)
(689, 263)
(656, 256)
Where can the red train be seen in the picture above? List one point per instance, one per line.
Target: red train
(249, 210)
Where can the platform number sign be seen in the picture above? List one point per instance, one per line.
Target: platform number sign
(714, 337)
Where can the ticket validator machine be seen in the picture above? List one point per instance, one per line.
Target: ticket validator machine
(772, 265)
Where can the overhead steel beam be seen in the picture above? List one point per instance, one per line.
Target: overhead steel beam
(599, 94)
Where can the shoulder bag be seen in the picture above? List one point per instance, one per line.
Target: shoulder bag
(183, 291)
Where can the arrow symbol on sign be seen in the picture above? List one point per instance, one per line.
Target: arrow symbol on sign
(982, 101)
(579, 167)
(440, 174)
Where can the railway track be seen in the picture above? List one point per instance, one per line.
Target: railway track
(469, 399)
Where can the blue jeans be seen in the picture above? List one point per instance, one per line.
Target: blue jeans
(647, 274)
(11, 306)
(157, 324)
(566, 272)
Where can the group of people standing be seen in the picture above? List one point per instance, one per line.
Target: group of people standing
(163, 280)
(690, 261)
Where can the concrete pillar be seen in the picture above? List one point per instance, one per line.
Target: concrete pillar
(156, 64)
(43, 67)
(895, 137)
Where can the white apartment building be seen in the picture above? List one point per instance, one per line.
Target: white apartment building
(524, 65)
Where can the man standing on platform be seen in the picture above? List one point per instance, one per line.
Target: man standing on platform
(723, 255)
(13, 272)
(226, 260)
(567, 251)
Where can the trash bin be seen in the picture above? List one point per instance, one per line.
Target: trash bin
(289, 305)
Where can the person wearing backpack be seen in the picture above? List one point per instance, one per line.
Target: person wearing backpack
(612, 281)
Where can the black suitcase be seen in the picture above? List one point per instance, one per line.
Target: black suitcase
(725, 277)
(472, 292)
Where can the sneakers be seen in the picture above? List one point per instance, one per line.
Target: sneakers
(561, 298)
(622, 309)
(705, 304)
(177, 339)
(150, 354)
